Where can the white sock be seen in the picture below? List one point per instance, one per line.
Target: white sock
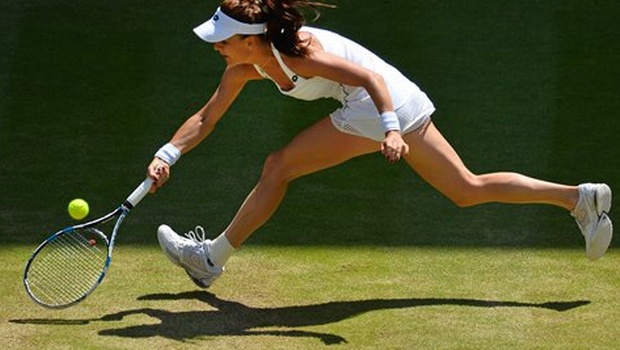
(221, 250)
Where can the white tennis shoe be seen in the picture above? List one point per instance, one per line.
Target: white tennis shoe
(591, 215)
(191, 253)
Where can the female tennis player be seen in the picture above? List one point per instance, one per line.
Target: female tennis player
(382, 110)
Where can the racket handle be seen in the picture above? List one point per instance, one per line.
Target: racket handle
(136, 196)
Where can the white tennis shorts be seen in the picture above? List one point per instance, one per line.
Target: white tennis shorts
(361, 118)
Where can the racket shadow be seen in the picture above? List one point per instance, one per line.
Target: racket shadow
(232, 318)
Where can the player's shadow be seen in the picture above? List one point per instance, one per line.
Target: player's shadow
(235, 319)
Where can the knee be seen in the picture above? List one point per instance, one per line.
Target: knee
(469, 194)
(464, 201)
(276, 168)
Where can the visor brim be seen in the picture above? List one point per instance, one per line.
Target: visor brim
(209, 33)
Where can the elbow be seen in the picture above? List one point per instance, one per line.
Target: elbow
(196, 129)
(378, 79)
(206, 124)
(377, 88)
(375, 83)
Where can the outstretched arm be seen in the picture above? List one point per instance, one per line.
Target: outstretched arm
(197, 127)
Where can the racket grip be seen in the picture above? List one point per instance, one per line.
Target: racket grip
(136, 196)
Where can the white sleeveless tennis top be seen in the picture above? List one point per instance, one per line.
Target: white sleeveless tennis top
(401, 89)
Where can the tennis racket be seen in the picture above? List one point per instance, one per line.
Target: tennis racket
(72, 262)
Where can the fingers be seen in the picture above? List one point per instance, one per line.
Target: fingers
(391, 154)
(393, 148)
(159, 171)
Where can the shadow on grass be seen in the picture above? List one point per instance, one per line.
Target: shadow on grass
(235, 319)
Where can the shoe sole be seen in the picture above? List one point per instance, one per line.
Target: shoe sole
(197, 281)
(600, 238)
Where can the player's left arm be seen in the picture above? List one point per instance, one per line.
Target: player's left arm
(332, 67)
(326, 65)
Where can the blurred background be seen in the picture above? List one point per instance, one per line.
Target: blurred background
(90, 90)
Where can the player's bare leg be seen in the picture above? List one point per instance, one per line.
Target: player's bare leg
(319, 147)
(437, 162)
(434, 159)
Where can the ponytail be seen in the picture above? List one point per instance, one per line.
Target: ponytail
(284, 19)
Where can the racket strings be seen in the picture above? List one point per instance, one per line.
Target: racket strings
(67, 268)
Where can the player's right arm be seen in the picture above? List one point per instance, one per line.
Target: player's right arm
(197, 127)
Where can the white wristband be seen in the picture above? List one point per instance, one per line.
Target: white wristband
(389, 121)
(168, 153)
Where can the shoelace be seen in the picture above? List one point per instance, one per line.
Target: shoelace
(198, 235)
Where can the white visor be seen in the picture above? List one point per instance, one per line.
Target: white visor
(221, 27)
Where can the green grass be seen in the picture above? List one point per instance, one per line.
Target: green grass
(345, 298)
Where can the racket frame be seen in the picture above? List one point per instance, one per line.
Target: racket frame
(120, 213)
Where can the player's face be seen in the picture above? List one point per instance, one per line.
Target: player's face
(234, 50)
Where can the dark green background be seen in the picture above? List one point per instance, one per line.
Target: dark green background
(90, 89)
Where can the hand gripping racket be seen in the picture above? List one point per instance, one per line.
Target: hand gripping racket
(72, 262)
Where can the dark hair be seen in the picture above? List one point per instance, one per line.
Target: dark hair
(284, 18)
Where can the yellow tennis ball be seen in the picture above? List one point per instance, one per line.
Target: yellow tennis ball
(78, 209)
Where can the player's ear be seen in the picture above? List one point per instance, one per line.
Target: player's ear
(252, 42)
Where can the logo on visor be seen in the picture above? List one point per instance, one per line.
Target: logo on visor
(216, 18)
